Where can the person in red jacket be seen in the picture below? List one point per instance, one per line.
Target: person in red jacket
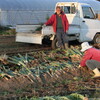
(91, 58)
(60, 26)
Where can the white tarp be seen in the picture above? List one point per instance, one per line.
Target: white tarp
(33, 11)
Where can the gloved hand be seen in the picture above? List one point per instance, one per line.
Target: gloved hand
(79, 66)
(67, 31)
(43, 26)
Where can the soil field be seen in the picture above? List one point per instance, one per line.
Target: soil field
(43, 73)
(9, 46)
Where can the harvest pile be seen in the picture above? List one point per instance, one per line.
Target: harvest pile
(38, 63)
(73, 96)
(44, 73)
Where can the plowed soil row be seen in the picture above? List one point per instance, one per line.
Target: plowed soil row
(9, 46)
(47, 84)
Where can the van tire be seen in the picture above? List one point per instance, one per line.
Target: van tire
(97, 38)
(54, 44)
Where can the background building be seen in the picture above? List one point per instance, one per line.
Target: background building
(14, 12)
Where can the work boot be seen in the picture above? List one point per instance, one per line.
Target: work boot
(96, 72)
(66, 46)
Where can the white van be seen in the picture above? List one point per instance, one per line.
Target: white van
(84, 25)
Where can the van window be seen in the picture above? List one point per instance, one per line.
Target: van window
(69, 9)
(87, 12)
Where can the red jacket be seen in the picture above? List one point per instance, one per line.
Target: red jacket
(90, 54)
(53, 21)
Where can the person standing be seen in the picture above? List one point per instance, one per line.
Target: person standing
(91, 58)
(60, 25)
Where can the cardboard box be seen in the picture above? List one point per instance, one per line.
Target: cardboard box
(99, 16)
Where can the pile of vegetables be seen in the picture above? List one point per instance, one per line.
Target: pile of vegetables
(7, 31)
(73, 96)
(37, 63)
(44, 73)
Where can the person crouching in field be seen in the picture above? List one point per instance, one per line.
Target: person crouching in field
(91, 58)
(60, 26)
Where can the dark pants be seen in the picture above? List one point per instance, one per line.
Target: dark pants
(92, 64)
(61, 37)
